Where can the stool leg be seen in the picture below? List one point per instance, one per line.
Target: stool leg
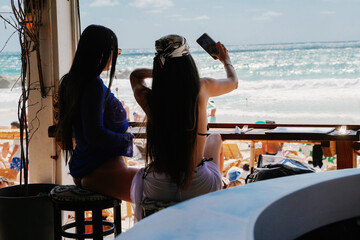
(97, 224)
(117, 218)
(80, 223)
(57, 223)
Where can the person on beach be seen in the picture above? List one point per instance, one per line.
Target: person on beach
(182, 160)
(4, 156)
(127, 110)
(272, 148)
(15, 152)
(212, 112)
(90, 113)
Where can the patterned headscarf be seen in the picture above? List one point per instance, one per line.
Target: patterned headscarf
(171, 46)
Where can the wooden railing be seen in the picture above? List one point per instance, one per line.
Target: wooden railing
(347, 145)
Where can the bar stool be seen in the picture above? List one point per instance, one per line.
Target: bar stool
(73, 198)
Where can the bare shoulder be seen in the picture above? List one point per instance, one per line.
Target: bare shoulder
(204, 92)
(206, 83)
(207, 87)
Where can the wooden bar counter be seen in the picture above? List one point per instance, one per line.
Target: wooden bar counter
(346, 156)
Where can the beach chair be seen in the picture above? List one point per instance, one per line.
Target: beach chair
(10, 174)
(232, 156)
(231, 151)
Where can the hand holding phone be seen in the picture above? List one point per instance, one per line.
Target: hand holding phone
(208, 44)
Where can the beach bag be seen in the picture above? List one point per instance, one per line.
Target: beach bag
(286, 167)
(151, 206)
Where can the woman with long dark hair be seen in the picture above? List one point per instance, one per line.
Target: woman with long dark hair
(182, 161)
(91, 114)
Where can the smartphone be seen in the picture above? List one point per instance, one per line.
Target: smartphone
(208, 45)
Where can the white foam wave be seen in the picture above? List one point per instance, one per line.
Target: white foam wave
(8, 105)
(301, 84)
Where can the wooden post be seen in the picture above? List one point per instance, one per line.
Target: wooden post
(252, 154)
(345, 158)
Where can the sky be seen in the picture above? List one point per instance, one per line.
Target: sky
(138, 23)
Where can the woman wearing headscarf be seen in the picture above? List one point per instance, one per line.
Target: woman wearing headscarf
(182, 161)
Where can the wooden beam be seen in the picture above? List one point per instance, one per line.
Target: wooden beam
(345, 155)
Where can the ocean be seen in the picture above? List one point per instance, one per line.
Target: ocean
(315, 82)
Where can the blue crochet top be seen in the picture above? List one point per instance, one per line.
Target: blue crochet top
(99, 130)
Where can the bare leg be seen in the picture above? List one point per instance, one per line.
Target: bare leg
(214, 149)
(113, 178)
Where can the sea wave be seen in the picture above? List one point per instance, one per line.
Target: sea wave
(295, 46)
(306, 84)
(257, 47)
(119, 74)
(9, 81)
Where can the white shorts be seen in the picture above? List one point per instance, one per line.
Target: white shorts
(207, 178)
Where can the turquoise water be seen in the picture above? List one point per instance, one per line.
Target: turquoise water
(296, 61)
(287, 83)
(10, 64)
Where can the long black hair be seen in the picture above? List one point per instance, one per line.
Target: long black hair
(96, 45)
(173, 120)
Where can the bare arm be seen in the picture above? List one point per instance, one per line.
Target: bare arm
(137, 80)
(216, 87)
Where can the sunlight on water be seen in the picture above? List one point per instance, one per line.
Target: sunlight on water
(287, 83)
